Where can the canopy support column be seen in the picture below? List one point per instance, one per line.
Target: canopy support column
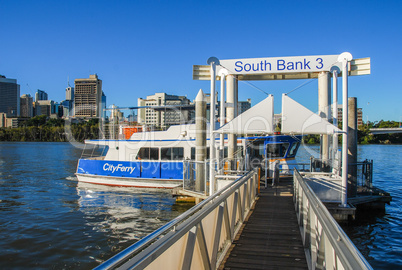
(212, 61)
(335, 159)
(222, 120)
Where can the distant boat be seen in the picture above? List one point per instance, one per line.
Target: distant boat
(155, 159)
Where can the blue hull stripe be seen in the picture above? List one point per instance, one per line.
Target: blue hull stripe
(135, 169)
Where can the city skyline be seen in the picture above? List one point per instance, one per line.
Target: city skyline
(139, 48)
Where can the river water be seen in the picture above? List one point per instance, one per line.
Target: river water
(50, 221)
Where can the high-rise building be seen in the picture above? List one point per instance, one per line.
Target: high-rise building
(45, 107)
(40, 95)
(3, 120)
(70, 93)
(9, 96)
(243, 106)
(67, 108)
(359, 115)
(163, 117)
(88, 97)
(26, 107)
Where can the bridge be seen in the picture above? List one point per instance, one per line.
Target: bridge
(376, 131)
(243, 226)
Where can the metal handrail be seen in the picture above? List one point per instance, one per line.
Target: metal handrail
(138, 254)
(326, 244)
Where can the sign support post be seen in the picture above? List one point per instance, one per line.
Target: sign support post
(222, 74)
(212, 61)
(344, 58)
(335, 160)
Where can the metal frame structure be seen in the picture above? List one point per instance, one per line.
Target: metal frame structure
(197, 239)
(326, 244)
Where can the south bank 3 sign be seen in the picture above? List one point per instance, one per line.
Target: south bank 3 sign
(294, 64)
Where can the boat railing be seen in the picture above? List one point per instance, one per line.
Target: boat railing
(326, 244)
(198, 238)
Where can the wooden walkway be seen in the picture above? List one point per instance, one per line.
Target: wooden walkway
(270, 237)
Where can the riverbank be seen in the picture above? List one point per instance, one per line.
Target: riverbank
(41, 129)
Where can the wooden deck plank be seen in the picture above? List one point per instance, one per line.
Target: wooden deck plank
(270, 238)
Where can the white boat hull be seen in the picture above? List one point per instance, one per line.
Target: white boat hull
(129, 182)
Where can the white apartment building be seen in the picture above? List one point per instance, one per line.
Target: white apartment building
(162, 117)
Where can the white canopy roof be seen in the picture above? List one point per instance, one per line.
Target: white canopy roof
(256, 120)
(296, 119)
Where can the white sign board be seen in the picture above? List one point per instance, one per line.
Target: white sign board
(293, 64)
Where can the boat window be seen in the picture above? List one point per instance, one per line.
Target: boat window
(293, 149)
(277, 149)
(172, 153)
(148, 153)
(166, 153)
(94, 151)
(257, 149)
(154, 153)
(193, 153)
(143, 153)
(177, 153)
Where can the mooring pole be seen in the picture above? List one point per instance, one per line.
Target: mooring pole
(352, 146)
(200, 140)
(230, 115)
(344, 58)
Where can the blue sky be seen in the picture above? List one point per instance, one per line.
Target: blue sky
(138, 48)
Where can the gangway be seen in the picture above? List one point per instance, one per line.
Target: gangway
(205, 236)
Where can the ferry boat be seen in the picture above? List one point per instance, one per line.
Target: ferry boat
(155, 159)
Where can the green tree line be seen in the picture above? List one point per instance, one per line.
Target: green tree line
(364, 136)
(42, 129)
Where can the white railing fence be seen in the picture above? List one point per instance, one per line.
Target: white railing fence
(197, 239)
(326, 244)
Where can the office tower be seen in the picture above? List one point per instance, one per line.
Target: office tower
(9, 97)
(26, 107)
(45, 107)
(243, 106)
(163, 117)
(70, 93)
(359, 115)
(40, 95)
(88, 97)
